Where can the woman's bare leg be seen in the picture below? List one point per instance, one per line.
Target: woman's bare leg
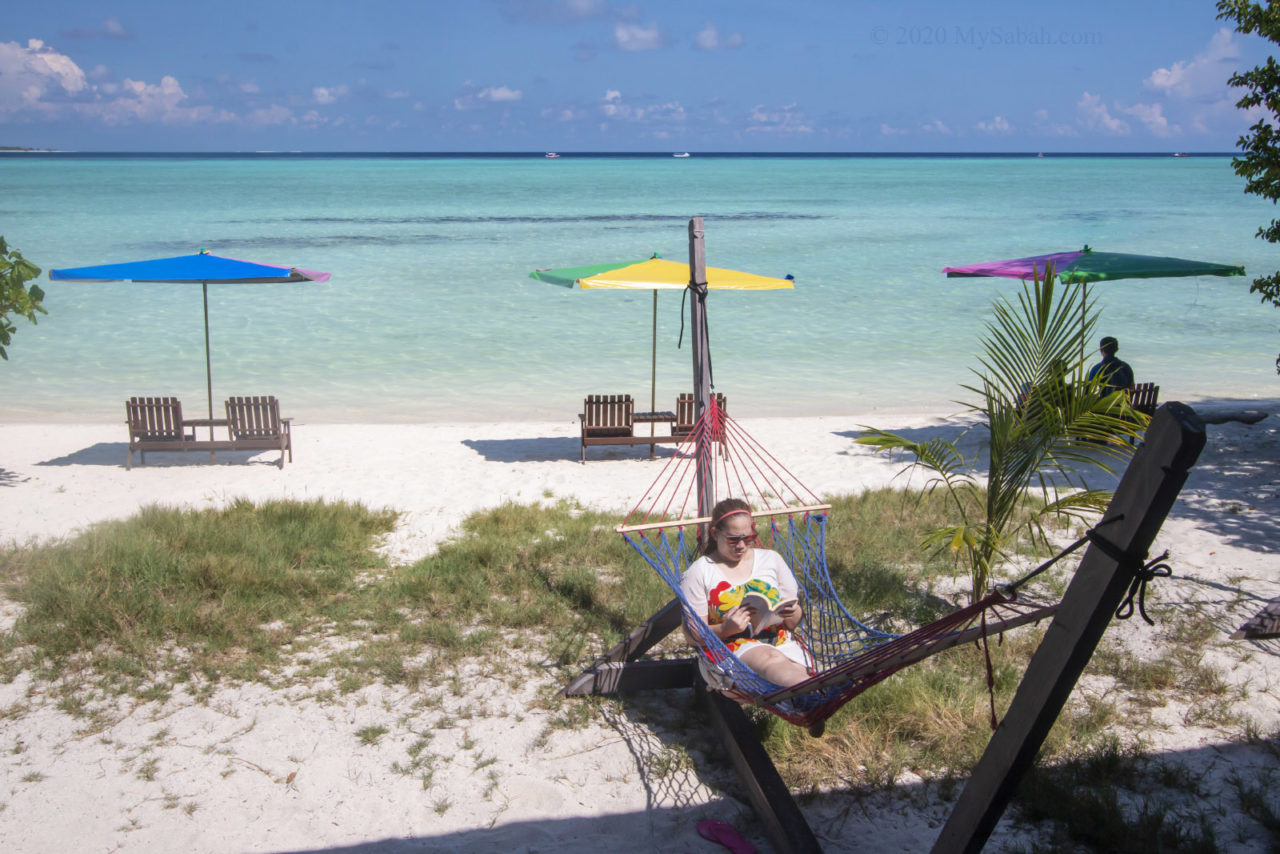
(773, 665)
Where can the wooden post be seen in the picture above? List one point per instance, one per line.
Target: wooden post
(782, 819)
(701, 360)
(595, 679)
(1143, 499)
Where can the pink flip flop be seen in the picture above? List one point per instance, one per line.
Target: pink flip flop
(725, 834)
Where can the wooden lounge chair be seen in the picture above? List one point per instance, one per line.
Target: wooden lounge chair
(1144, 397)
(255, 425)
(607, 419)
(687, 413)
(155, 424)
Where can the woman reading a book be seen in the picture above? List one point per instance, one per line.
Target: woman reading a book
(749, 595)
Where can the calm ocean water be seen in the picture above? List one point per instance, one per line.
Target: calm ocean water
(430, 314)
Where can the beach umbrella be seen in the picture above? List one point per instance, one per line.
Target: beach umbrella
(201, 268)
(1087, 265)
(654, 274)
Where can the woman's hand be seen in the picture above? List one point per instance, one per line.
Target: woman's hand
(736, 621)
(791, 615)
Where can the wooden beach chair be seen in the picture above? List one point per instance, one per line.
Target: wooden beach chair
(155, 424)
(607, 419)
(1145, 397)
(687, 413)
(255, 425)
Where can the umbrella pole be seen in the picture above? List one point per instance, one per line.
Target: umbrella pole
(701, 361)
(653, 372)
(208, 363)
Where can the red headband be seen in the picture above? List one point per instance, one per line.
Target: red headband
(716, 523)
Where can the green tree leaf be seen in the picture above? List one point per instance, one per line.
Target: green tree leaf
(1260, 163)
(15, 297)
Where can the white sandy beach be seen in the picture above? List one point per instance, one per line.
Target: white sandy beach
(252, 769)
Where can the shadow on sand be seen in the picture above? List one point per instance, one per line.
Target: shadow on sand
(113, 454)
(1216, 783)
(11, 478)
(557, 449)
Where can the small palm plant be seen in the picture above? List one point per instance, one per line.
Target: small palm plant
(1046, 423)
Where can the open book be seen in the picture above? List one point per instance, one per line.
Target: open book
(764, 616)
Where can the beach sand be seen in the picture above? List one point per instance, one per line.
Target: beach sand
(256, 769)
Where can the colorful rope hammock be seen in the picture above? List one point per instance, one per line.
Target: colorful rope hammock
(849, 656)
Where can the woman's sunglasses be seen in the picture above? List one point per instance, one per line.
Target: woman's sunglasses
(745, 538)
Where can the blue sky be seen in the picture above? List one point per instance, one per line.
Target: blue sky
(597, 75)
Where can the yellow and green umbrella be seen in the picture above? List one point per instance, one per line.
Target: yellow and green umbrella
(654, 274)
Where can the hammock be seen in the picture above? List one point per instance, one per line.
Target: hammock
(848, 655)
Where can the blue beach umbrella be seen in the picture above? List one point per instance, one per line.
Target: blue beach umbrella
(188, 270)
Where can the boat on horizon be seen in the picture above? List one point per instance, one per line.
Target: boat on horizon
(551, 154)
(685, 154)
(1179, 154)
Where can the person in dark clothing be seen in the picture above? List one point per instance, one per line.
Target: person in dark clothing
(1115, 374)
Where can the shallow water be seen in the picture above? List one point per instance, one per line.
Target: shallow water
(430, 315)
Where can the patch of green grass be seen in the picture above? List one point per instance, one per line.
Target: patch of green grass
(1083, 800)
(371, 735)
(226, 586)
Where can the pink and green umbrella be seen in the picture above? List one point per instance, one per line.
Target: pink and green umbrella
(1087, 266)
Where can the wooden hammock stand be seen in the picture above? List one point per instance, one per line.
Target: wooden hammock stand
(1112, 563)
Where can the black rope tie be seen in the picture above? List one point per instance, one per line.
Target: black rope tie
(1143, 571)
(680, 340)
(1154, 569)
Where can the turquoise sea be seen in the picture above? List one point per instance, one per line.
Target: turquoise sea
(430, 316)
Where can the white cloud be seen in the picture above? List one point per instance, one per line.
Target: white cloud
(1152, 116)
(474, 98)
(111, 29)
(1046, 127)
(1205, 75)
(32, 74)
(782, 120)
(614, 107)
(328, 94)
(585, 8)
(935, 126)
(499, 93)
(276, 114)
(397, 94)
(145, 102)
(997, 125)
(249, 88)
(115, 29)
(635, 37)
(886, 130)
(1092, 113)
(708, 38)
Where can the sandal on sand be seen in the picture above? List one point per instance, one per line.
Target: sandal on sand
(725, 834)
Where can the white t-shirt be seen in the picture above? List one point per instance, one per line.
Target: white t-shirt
(704, 575)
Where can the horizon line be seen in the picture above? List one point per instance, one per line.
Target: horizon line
(599, 153)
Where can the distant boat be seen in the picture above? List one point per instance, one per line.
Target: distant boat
(1041, 154)
(1179, 154)
(552, 154)
(685, 154)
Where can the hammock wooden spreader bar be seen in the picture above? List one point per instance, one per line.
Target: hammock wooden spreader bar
(885, 659)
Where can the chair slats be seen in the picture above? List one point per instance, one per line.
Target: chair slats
(687, 413)
(155, 424)
(1145, 397)
(255, 424)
